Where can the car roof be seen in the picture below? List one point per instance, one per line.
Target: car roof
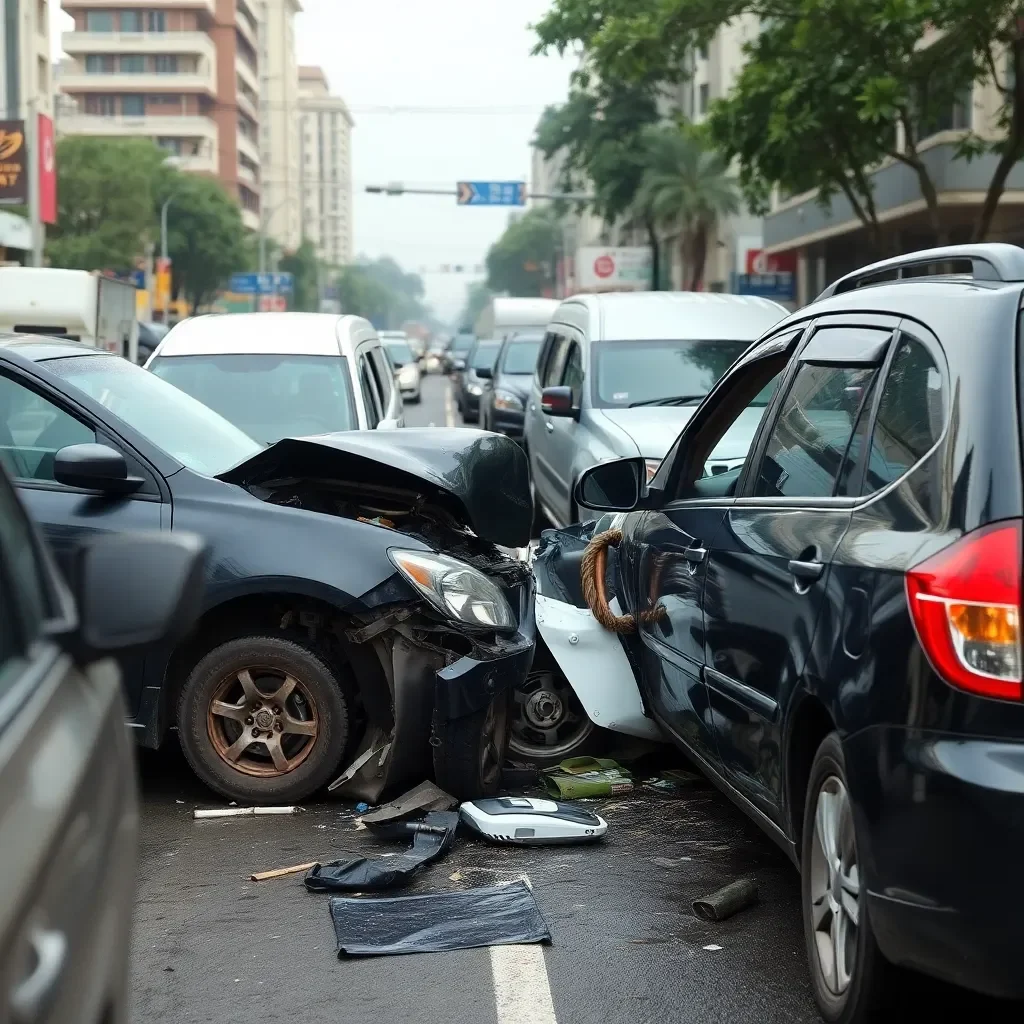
(38, 347)
(308, 334)
(650, 316)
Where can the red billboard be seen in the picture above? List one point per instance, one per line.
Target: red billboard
(47, 171)
(778, 263)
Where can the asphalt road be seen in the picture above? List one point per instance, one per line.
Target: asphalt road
(210, 945)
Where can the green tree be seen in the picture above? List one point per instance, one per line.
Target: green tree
(206, 237)
(522, 261)
(477, 297)
(363, 295)
(105, 201)
(304, 266)
(687, 186)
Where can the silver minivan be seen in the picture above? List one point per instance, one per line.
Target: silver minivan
(620, 373)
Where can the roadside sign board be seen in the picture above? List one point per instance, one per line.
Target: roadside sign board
(13, 163)
(781, 286)
(491, 193)
(624, 268)
(262, 284)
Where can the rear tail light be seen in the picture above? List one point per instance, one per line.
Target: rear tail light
(965, 602)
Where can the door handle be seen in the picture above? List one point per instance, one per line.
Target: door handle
(695, 555)
(533, 408)
(550, 426)
(806, 572)
(30, 1000)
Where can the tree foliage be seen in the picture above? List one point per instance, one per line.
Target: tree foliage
(477, 297)
(382, 292)
(522, 261)
(304, 266)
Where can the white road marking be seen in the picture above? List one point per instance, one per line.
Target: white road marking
(522, 993)
(449, 406)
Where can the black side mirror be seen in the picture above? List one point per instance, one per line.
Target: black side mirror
(94, 467)
(617, 486)
(485, 373)
(557, 402)
(135, 589)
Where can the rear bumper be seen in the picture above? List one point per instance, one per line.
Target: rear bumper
(939, 821)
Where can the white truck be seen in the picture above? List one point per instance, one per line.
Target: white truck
(506, 315)
(74, 304)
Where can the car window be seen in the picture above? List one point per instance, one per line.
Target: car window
(33, 430)
(555, 361)
(370, 398)
(809, 440)
(485, 355)
(268, 396)
(572, 375)
(384, 375)
(521, 356)
(911, 415)
(399, 351)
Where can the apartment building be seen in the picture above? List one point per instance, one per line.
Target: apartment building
(279, 122)
(326, 156)
(26, 82)
(182, 72)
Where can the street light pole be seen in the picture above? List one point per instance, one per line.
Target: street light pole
(163, 226)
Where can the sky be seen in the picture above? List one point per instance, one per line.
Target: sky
(436, 54)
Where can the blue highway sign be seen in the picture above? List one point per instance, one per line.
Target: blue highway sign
(262, 284)
(491, 193)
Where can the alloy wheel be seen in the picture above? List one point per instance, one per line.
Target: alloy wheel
(549, 720)
(834, 887)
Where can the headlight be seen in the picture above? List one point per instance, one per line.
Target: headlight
(455, 589)
(506, 400)
(475, 389)
(652, 468)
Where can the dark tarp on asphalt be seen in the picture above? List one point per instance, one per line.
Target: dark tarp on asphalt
(431, 839)
(501, 915)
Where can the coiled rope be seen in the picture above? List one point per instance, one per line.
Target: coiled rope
(592, 573)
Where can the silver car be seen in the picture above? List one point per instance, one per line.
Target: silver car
(620, 373)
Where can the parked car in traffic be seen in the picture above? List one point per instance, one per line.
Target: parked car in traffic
(359, 605)
(468, 384)
(456, 352)
(506, 389)
(68, 804)
(406, 366)
(831, 629)
(620, 373)
(277, 375)
(509, 314)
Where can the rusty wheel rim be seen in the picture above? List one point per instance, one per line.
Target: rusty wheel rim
(262, 721)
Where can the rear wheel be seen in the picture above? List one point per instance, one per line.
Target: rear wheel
(263, 720)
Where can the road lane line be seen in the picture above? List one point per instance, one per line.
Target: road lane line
(449, 407)
(522, 992)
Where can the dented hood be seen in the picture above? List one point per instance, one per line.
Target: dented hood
(478, 477)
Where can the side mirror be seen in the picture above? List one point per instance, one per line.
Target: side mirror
(617, 486)
(557, 402)
(485, 373)
(135, 589)
(95, 467)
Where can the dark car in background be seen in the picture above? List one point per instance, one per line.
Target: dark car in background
(468, 384)
(507, 387)
(455, 354)
(357, 600)
(832, 628)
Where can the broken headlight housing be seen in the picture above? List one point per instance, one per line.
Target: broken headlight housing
(455, 589)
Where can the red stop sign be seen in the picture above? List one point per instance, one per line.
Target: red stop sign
(604, 266)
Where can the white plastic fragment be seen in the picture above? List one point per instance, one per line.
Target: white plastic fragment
(242, 812)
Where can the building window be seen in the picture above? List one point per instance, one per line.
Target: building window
(98, 64)
(959, 117)
(702, 53)
(133, 106)
(171, 145)
(100, 106)
(133, 64)
(131, 21)
(702, 104)
(156, 21)
(166, 64)
(99, 21)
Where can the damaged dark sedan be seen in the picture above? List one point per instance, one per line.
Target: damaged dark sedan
(361, 624)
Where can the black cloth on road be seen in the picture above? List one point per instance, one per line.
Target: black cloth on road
(500, 915)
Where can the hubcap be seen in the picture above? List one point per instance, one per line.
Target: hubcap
(549, 720)
(262, 722)
(835, 886)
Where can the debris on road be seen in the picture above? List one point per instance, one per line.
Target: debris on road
(437, 922)
(577, 778)
(244, 812)
(424, 797)
(432, 838)
(262, 876)
(727, 901)
(672, 780)
(527, 821)
(362, 807)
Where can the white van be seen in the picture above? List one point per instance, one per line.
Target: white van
(504, 316)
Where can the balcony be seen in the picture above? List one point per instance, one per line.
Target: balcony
(74, 79)
(246, 105)
(245, 26)
(197, 43)
(210, 6)
(251, 220)
(249, 148)
(248, 175)
(156, 125)
(247, 74)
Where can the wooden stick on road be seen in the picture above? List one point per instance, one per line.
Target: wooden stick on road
(262, 876)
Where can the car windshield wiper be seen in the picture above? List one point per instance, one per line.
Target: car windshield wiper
(670, 400)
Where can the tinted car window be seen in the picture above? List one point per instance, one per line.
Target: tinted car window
(370, 397)
(810, 438)
(384, 373)
(267, 396)
(400, 352)
(462, 344)
(32, 430)
(911, 415)
(484, 355)
(572, 377)
(521, 356)
(555, 361)
(628, 373)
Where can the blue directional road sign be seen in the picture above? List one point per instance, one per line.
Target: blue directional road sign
(262, 284)
(491, 193)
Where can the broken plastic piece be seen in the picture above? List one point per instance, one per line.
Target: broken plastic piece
(727, 901)
(464, 919)
(424, 797)
(244, 812)
(527, 821)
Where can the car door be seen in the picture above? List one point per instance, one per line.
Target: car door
(35, 423)
(368, 392)
(768, 565)
(68, 816)
(542, 427)
(563, 432)
(391, 398)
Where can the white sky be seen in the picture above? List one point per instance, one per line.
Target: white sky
(436, 54)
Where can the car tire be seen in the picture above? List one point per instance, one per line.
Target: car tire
(469, 752)
(311, 722)
(844, 995)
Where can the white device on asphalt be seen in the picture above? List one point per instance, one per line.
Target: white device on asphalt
(528, 821)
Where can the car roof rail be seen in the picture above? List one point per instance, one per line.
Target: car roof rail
(989, 261)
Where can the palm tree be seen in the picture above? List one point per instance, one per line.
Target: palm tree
(688, 186)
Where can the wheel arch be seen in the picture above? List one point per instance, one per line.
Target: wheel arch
(810, 723)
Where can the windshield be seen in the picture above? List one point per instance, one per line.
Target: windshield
(175, 422)
(521, 356)
(463, 343)
(399, 351)
(629, 373)
(484, 355)
(268, 396)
